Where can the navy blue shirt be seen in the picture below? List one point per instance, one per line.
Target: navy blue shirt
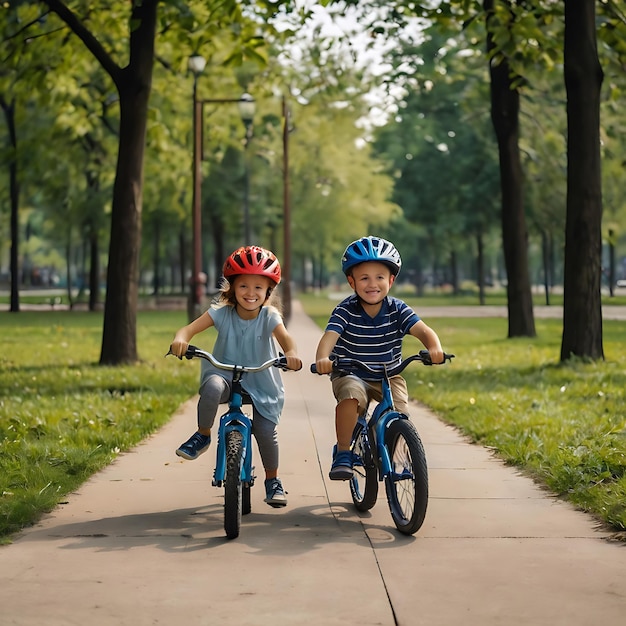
(373, 340)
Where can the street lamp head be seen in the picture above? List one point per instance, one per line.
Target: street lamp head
(196, 64)
(247, 107)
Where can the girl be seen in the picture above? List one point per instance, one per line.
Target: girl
(246, 331)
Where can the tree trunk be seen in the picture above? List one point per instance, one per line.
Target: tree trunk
(454, 274)
(9, 113)
(582, 307)
(545, 258)
(68, 268)
(480, 263)
(91, 228)
(94, 267)
(156, 258)
(505, 118)
(182, 259)
(119, 337)
(611, 276)
(119, 341)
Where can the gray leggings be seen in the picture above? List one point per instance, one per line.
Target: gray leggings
(214, 391)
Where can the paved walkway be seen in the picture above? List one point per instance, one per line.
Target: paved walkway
(142, 542)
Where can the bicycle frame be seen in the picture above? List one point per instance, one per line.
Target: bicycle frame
(381, 416)
(234, 419)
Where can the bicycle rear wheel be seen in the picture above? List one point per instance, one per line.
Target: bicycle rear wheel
(364, 481)
(407, 484)
(232, 484)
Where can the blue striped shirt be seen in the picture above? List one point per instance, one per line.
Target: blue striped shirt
(373, 340)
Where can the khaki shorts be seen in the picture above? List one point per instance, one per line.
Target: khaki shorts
(352, 387)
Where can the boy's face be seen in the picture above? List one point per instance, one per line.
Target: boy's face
(371, 281)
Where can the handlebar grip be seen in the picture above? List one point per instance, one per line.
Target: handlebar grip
(191, 351)
(425, 357)
(426, 360)
(313, 368)
(189, 354)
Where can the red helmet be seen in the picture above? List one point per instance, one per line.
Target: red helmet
(252, 260)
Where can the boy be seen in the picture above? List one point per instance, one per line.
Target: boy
(368, 326)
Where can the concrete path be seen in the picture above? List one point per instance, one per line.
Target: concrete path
(142, 542)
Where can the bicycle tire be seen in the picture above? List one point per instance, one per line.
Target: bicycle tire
(407, 485)
(364, 481)
(246, 503)
(232, 484)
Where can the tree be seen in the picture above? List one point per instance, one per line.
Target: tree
(8, 107)
(519, 34)
(582, 309)
(133, 82)
(505, 117)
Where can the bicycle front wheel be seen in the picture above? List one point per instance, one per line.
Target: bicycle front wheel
(364, 481)
(407, 484)
(232, 484)
(246, 503)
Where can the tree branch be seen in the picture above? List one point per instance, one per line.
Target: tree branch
(85, 35)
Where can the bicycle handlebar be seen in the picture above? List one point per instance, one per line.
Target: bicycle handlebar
(345, 364)
(193, 351)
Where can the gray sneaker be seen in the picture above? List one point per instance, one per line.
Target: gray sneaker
(274, 493)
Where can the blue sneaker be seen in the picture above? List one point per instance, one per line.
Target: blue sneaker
(274, 493)
(194, 446)
(341, 468)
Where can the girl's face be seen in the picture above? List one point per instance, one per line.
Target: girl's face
(251, 292)
(371, 281)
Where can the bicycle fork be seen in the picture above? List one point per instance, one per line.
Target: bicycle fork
(243, 425)
(378, 427)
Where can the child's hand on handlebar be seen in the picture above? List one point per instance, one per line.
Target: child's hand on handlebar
(179, 347)
(294, 363)
(324, 366)
(436, 356)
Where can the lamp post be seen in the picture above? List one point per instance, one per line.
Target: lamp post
(247, 108)
(197, 64)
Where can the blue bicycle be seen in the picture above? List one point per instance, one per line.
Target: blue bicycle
(233, 468)
(386, 447)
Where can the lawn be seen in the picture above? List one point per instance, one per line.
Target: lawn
(562, 424)
(64, 417)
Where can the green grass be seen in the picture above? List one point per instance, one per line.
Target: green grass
(63, 417)
(562, 424)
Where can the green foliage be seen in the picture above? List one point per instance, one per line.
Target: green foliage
(564, 425)
(62, 417)
(443, 126)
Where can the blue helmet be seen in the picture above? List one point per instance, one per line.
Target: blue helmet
(371, 249)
